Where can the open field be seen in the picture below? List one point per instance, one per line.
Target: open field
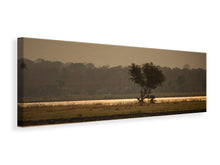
(106, 96)
(38, 115)
(110, 102)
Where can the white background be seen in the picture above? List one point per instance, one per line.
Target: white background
(188, 25)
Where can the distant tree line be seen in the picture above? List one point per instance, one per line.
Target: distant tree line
(42, 78)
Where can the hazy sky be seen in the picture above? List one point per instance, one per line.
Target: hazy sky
(111, 55)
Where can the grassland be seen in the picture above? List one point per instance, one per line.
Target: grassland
(105, 96)
(78, 113)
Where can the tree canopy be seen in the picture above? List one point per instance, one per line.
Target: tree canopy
(148, 76)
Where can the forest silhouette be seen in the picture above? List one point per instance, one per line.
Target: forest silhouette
(43, 80)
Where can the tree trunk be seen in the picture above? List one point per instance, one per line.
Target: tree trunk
(142, 96)
(144, 93)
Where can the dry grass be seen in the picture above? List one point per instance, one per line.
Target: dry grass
(96, 110)
(106, 96)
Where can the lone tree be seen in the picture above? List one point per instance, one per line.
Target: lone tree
(148, 77)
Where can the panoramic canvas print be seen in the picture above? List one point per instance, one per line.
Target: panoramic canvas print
(67, 82)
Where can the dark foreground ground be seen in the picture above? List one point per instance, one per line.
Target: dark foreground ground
(44, 115)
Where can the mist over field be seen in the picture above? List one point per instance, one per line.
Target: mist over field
(43, 80)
